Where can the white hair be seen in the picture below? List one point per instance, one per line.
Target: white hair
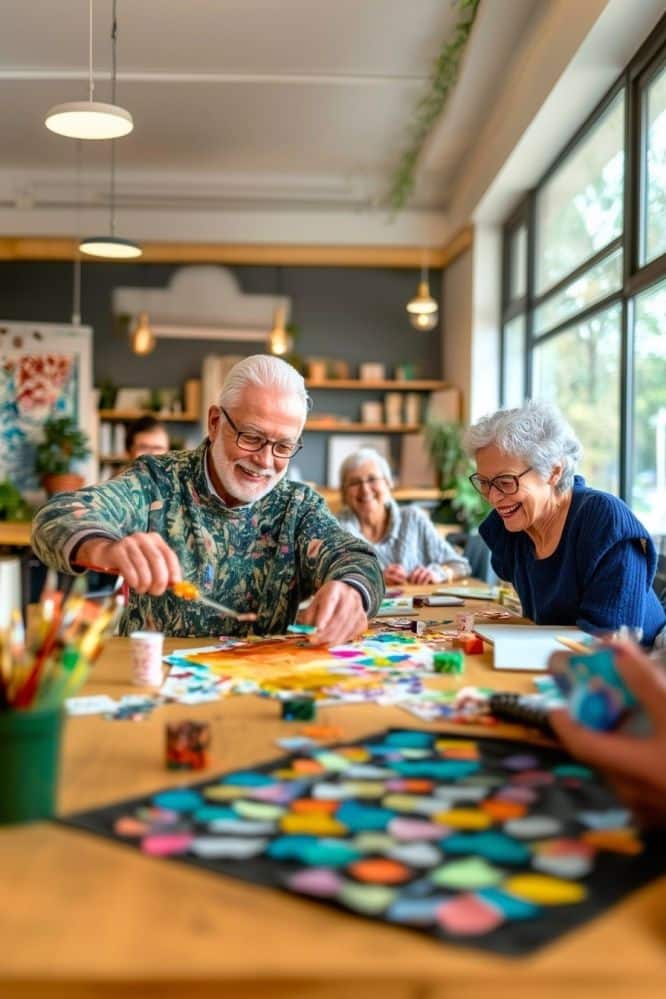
(536, 432)
(359, 457)
(263, 371)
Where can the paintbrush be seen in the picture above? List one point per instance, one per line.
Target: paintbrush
(574, 645)
(188, 591)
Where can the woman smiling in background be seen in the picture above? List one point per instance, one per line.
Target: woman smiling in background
(405, 541)
(575, 555)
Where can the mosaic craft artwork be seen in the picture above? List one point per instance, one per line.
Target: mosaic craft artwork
(383, 667)
(483, 842)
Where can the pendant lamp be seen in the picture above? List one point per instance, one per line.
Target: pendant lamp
(143, 338)
(424, 321)
(90, 119)
(111, 246)
(279, 341)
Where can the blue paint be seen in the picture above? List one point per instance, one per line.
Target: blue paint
(208, 813)
(409, 739)
(361, 818)
(437, 769)
(573, 770)
(493, 846)
(248, 778)
(512, 907)
(178, 800)
(329, 853)
(290, 847)
(415, 911)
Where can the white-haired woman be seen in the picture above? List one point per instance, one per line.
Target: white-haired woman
(407, 544)
(575, 555)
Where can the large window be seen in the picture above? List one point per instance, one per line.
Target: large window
(584, 288)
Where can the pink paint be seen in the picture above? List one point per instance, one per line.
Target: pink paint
(468, 915)
(166, 844)
(319, 881)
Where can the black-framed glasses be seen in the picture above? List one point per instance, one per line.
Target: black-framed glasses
(247, 441)
(505, 484)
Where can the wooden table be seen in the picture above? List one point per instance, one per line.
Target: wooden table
(82, 917)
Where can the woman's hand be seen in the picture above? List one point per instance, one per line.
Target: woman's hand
(394, 574)
(634, 764)
(420, 575)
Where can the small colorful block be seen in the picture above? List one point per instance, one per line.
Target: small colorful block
(299, 709)
(452, 663)
(301, 629)
(187, 745)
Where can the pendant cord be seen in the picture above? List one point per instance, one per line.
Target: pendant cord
(114, 34)
(91, 82)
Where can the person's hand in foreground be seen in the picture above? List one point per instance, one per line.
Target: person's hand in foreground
(634, 764)
(145, 561)
(394, 574)
(336, 611)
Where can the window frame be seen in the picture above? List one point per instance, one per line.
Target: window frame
(636, 277)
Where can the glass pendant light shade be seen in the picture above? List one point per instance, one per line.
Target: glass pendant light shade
(110, 247)
(143, 338)
(279, 341)
(424, 320)
(89, 120)
(423, 303)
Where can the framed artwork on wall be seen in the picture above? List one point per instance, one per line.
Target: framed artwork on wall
(45, 371)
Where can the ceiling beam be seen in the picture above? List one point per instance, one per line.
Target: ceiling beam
(408, 257)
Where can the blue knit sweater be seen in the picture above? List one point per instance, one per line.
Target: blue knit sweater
(598, 578)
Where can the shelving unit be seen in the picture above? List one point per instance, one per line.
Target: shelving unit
(407, 385)
(343, 426)
(126, 415)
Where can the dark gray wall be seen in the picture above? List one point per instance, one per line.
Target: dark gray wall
(355, 314)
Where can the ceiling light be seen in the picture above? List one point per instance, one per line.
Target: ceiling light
(279, 341)
(111, 247)
(423, 303)
(143, 338)
(91, 119)
(424, 320)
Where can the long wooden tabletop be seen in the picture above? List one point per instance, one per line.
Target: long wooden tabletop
(85, 917)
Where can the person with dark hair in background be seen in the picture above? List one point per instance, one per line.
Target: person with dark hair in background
(147, 435)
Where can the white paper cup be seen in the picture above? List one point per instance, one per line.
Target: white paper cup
(146, 649)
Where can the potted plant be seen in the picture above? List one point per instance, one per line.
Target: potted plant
(12, 505)
(62, 446)
(453, 467)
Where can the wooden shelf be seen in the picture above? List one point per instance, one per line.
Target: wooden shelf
(114, 459)
(15, 532)
(342, 427)
(121, 415)
(408, 385)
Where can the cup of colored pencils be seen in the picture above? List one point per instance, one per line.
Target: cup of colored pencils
(38, 672)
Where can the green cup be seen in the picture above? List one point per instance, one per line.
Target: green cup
(29, 759)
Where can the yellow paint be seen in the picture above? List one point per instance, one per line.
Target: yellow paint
(314, 823)
(544, 890)
(464, 818)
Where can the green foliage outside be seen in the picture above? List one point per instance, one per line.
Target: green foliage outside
(63, 444)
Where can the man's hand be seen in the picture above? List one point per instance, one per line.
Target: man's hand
(394, 574)
(145, 561)
(336, 611)
(421, 575)
(634, 764)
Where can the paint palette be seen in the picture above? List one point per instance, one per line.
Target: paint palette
(483, 842)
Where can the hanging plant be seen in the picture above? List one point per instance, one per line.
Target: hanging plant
(429, 108)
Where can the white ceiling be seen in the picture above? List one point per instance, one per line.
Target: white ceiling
(242, 105)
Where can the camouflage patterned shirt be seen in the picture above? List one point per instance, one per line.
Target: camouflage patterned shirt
(263, 557)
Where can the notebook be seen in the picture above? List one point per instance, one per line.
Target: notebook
(526, 646)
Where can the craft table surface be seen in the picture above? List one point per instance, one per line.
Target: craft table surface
(83, 917)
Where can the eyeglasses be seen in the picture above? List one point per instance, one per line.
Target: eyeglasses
(370, 480)
(505, 484)
(248, 441)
